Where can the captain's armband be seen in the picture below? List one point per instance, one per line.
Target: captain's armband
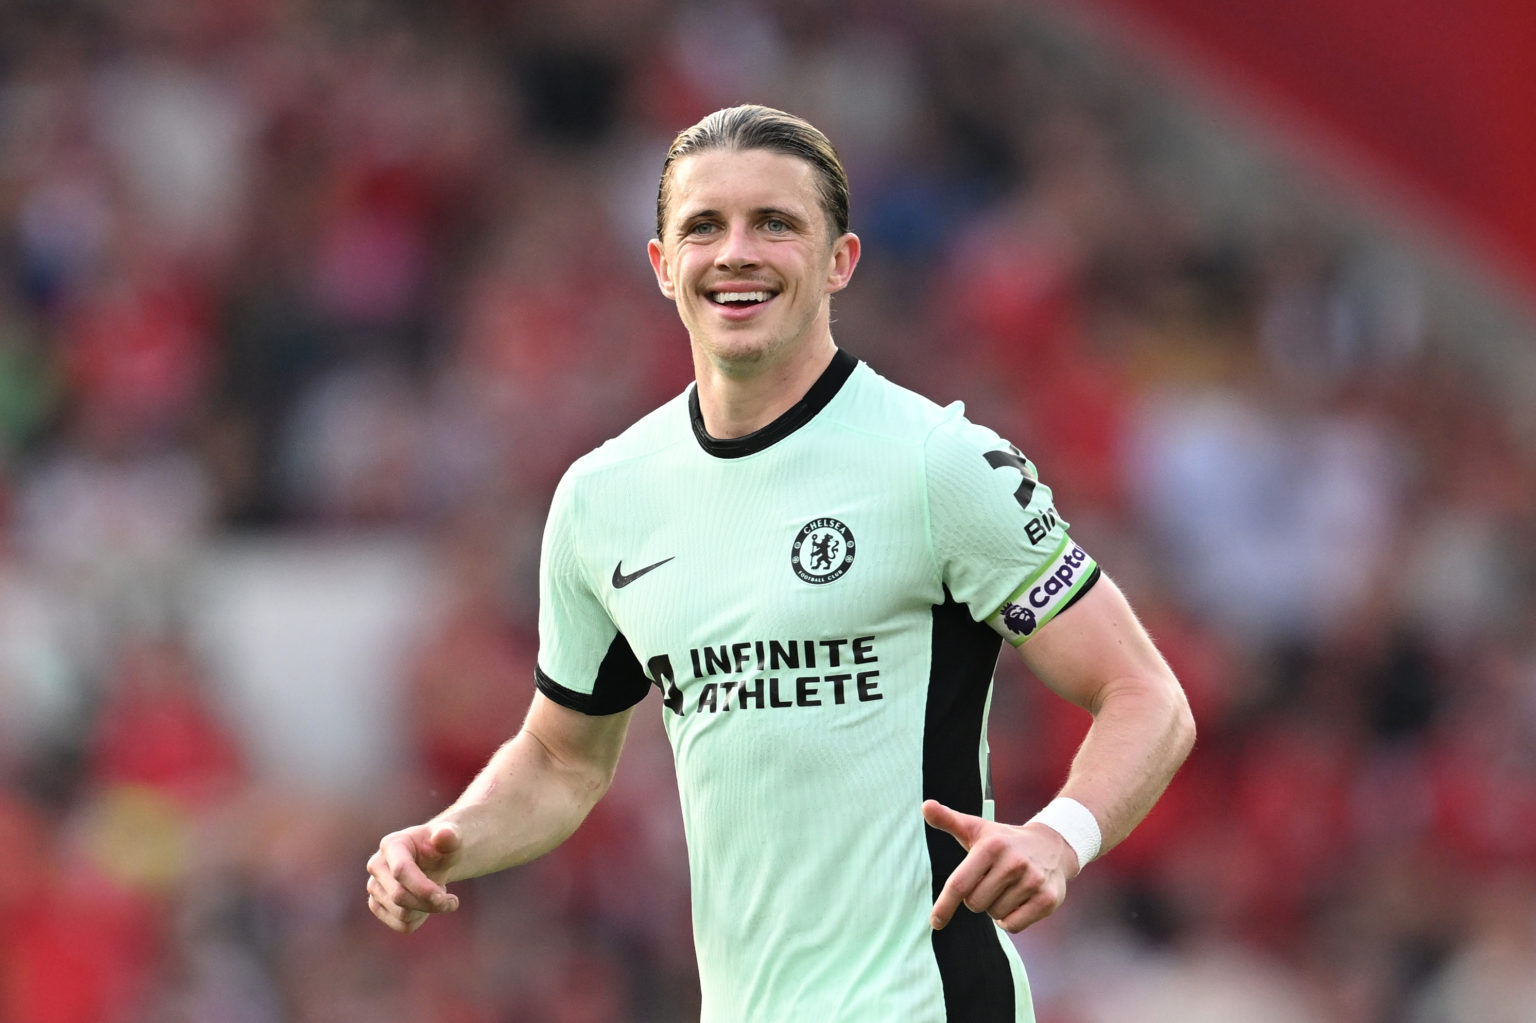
(1066, 576)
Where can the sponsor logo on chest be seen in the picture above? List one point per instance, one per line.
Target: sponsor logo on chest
(771, 674)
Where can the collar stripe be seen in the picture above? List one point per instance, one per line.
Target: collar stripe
(797, 415)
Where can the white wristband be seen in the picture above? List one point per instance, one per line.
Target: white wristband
(1074, 822)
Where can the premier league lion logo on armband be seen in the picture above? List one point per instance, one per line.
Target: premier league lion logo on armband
(1020, 620)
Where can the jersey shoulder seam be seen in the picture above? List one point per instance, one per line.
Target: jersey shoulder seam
(919, 413)
(922, 417)
(611, 452)
(950, 414)
(586, 472)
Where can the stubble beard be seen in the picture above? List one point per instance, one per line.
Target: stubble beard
(735, 359)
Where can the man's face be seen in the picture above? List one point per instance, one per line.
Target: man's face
(748, 257)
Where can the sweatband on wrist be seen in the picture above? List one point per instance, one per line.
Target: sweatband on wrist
(1074, 822)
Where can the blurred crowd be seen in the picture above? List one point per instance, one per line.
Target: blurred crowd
(304, 286)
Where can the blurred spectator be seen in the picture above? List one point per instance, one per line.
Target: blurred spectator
(1493, 975)
(158, 729)
(462, 698)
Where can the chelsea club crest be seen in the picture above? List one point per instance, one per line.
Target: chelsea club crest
(823, 551)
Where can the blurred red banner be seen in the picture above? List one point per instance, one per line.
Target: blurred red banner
(1437, 95)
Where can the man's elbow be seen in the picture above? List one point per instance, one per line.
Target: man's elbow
(585, 775)
(1181, 721)
(600, 780)
(1160, 704)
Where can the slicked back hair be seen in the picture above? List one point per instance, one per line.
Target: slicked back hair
(751, 127)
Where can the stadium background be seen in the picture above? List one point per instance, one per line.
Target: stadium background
(304, 306)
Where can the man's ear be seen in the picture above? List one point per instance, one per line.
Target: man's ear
(663, 272)
(845, 258)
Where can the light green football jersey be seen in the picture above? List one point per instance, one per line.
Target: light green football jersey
(821, 605)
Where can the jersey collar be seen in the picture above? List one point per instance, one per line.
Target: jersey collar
(797, 415)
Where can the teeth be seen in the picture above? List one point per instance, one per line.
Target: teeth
(740, 296)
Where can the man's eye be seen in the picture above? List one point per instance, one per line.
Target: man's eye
(703, 227)
(775, 225)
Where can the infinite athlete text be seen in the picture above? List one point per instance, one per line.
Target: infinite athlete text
(798, 690)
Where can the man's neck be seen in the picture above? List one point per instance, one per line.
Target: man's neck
(736, 401)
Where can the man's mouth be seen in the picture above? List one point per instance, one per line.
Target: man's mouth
(739, 299)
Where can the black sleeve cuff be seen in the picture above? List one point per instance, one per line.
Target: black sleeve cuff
(620, 684)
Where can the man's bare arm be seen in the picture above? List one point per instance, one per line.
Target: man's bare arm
(532, 794)
(1097, 655)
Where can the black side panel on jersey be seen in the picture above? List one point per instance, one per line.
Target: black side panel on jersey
(620, 684)
(978, 984)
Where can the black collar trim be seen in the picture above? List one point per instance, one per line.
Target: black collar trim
(797, 415)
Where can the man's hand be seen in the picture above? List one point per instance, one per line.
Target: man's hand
(405, 876)
(1017, 874)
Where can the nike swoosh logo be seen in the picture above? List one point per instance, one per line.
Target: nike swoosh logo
(620, 580)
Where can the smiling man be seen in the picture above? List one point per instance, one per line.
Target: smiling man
(817, 570)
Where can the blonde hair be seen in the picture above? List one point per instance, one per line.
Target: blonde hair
(757, 127)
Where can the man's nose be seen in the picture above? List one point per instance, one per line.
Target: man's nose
(738, 249)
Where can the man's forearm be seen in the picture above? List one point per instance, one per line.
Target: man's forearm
(536, 789)
(522, 804)
(1141, 733)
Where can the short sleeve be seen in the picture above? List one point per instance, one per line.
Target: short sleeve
(1001, 545)
(584, 662)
